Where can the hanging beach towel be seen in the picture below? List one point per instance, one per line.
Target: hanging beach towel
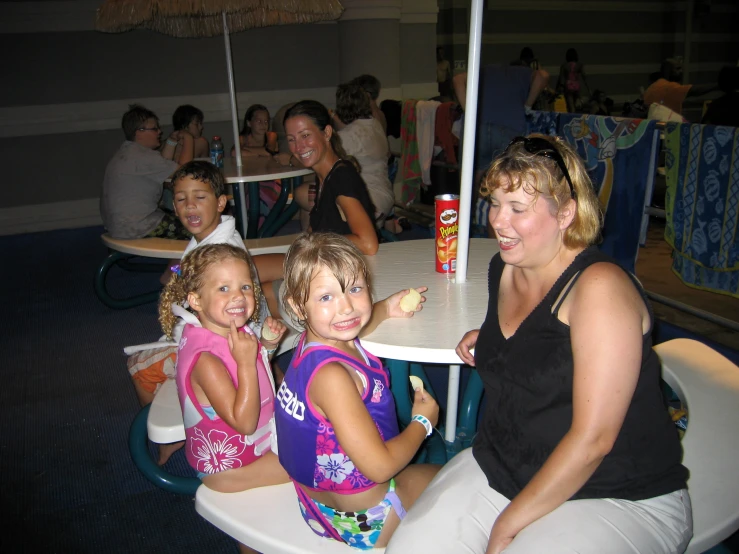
(702, 205)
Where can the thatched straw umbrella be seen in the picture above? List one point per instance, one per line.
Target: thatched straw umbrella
(207, 18)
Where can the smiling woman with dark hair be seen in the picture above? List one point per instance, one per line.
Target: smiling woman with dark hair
(342, 204)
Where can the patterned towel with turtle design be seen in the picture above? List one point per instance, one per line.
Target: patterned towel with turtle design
(702, 205)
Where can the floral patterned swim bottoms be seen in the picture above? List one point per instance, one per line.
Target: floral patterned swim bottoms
(359, 529)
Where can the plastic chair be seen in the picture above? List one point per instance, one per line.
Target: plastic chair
(434, 450)
(708, 384)
(267, 519)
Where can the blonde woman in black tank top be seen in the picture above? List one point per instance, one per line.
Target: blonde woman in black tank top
(575, 451)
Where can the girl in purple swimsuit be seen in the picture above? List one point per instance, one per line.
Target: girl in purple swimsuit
(337, 429)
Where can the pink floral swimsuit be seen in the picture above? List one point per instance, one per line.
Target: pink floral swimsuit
(211, 444)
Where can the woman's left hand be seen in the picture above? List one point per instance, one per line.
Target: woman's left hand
(500, 538)
(393, 303)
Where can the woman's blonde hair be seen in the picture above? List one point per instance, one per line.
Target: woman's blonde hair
(190, 278)
(540, 175)
(307, 255)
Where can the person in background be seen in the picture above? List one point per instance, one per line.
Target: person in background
(134, 178)
(504, 94)
(527, 59)
(362, 137)
(191, 119)
(341, 202)
(571, 77)
(444, 75)
(725, 110)
(255, 138)
(668, 90)
(576, 451)
(372, 86)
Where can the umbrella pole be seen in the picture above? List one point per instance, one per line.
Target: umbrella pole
(232, 92)
(468, 153)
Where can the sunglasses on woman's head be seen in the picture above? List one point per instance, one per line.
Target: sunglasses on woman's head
(542, 147)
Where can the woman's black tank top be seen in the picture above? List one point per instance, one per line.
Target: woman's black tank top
(528, 388)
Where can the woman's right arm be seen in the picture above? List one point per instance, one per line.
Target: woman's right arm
(238, 407)
(363, 232)
(459, 83)
(335, 394)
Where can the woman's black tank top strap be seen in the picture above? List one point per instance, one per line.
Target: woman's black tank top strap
(528, 382)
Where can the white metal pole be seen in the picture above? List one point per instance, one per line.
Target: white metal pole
(232, 92)
(452, 399)
(468, 153)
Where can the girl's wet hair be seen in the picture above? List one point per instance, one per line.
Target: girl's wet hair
(541, 176)
(205, 172)
(191, 278)
(307, 255)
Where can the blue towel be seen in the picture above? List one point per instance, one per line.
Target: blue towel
(620, 157)
(544, 123)
(702, 202)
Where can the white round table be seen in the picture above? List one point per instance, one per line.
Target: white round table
(450, 310)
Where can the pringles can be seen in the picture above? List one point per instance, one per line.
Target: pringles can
(446, 231)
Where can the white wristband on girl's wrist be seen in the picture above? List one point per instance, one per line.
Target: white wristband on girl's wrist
(172, 142)
(423, 420)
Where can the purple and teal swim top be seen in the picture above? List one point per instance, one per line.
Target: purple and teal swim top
(307, 445)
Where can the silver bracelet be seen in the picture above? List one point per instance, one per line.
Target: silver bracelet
(172, 142)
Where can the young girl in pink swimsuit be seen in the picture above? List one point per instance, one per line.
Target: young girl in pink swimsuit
(223, 374)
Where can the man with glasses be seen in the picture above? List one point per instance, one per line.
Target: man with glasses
(133, 183)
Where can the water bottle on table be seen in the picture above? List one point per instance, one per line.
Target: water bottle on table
(216, 152)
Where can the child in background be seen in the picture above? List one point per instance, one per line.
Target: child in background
(199, 201)
(336, 423)
(256, 140)
(190, 119)
(570, 74)
(224, 383)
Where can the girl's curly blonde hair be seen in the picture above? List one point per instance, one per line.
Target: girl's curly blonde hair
(190, 279)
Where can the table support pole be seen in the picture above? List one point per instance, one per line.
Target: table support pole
(452, 398)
